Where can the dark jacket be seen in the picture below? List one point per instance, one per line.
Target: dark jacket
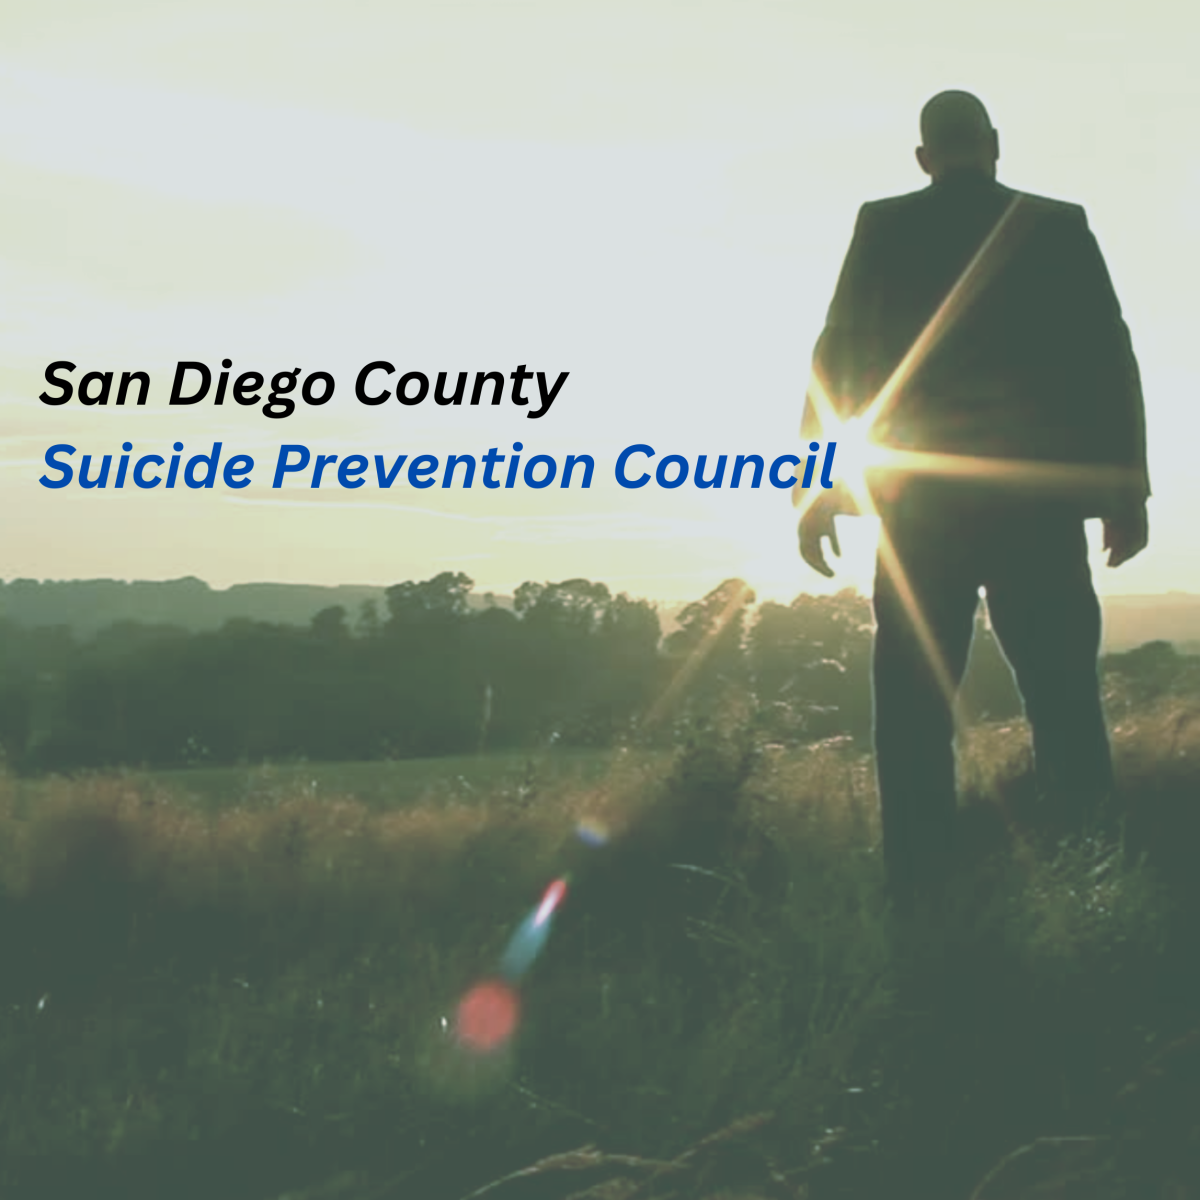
(1028, 358)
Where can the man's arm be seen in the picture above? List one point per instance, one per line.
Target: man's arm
(1116, 405)
(839, 383)
(843, 359)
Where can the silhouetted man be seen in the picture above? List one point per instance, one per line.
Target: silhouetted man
(976, 329)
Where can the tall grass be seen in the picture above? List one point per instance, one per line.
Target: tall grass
(244, 1001)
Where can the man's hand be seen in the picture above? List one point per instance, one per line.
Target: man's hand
(1125, 535)
(816, 524)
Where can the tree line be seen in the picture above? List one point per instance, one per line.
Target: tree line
(429, 674)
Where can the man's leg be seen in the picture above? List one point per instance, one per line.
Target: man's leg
(913, 701)
(1044, 611)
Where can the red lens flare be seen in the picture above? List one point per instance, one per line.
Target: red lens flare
(487, 1016)
(550, 901)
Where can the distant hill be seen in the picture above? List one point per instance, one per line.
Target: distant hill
(87, 605)
(1130, 621)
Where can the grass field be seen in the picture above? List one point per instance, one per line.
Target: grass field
(239, 984)
(378, 785)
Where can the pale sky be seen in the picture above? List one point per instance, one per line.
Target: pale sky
(654, 197)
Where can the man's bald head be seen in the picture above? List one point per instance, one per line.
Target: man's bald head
(957, 133)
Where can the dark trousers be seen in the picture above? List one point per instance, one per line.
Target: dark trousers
(1043, 609)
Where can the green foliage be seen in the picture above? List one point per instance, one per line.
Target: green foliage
(575, 667)
(811, 667)
(1139, 678)
(569, 664)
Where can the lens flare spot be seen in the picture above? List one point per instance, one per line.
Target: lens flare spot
(591, 832)
(487, 1016)
(552, 898)
(526, 943)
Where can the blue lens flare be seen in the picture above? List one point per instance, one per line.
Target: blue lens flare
(530, 937)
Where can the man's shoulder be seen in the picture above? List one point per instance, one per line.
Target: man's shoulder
(886, 209)
(919, 203)
(1048, 206)
(885, 205)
